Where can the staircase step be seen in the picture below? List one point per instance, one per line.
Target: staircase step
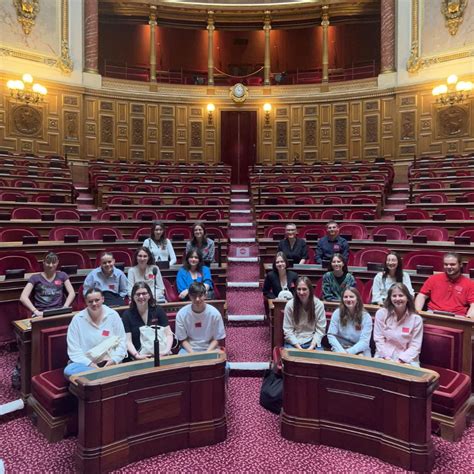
(245, 317)
(242, 259)
(242, 240)
(236, 200)
(241, 224)
(240, 211)
(243, 284)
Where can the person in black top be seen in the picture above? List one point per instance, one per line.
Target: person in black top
(280, 278)
(143, 311)
(293, 247)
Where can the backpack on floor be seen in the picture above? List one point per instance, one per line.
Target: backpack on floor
(271, 393)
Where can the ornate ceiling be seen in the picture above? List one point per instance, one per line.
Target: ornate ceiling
(239, 14)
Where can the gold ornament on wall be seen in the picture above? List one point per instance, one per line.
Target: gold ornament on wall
(453, 11)
(26, 12)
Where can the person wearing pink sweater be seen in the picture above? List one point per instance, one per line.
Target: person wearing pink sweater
(398, 329)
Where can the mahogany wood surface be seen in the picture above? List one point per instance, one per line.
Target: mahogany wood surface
(383, 412)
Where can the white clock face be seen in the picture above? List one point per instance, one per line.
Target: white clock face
(239, 90)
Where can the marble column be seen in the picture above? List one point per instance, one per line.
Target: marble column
(91, 36)
(325, 25)
(266, 62)
(152, 23)
(210, 48)
(387, 36)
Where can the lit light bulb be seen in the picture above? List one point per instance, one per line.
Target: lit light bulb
(452, 79)
(267, 107)
(211, 107)
(28, 78)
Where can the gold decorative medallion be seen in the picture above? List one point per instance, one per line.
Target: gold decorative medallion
(26, 12)
(453, 11)
(239, 93)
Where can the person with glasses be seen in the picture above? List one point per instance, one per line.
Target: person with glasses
(143, 311)
(292, 246)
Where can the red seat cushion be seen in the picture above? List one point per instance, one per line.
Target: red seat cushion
(453, 391)
(50, 389)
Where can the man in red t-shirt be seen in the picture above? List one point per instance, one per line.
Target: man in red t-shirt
(449, 291)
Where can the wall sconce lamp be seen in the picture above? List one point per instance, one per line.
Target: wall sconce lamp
(25, 91)
(210, 110)
(453, 92)
(267, 108)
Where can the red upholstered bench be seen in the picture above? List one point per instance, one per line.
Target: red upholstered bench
(52, 407)
(442, 352)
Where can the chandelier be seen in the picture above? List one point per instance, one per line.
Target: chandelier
(25, 91)
(453, 92)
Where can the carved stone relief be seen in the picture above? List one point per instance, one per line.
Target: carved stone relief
(138, 108)
(372, 105)
(106, 129)
(341, 131)
(281, 134)
(281, 156)
(196, 134)
(452, 121)
(167, 133)
(70, 100)
(27, 120)
(310, 156)
(407, 125)
(26, 12)
(71, 125)
(138, 127)
(371, 129)
(310, 133)
(453, 11)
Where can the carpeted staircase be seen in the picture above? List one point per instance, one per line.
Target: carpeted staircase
(247, 335)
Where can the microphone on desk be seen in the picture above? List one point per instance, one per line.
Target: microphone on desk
(156, 343)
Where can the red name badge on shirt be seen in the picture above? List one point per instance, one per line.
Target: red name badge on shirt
(336, 248)
(111, 287)
(105, 333)
(151, 276)
(198, 324)
(405, 330)
(58, 282)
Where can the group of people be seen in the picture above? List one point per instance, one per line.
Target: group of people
(449, 291)
(397, 332)
(397, 329)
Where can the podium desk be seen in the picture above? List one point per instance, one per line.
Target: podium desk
(371, 406)
(133, 411)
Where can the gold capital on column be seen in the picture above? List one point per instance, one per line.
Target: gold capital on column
(210, 48)
(152, 22)
(266, 62)
(325, 25)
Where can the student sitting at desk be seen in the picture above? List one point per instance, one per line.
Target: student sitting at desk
(160, 246)
(45, 290)
(392, 273)
(145, 270)
(199, 326)
(193, 270)
(304, 321)
(144, 311)
(351, 326)
(450, 291)
(398, 330)
(279, 278)
(95, 325)
(337, 279)
(292, 246)
(201, 242)
(331, 243)
(111, 281)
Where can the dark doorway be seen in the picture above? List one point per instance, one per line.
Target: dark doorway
(239, 143)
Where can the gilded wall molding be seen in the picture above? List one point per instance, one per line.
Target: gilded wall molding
(26, 12)
(63, 62)
(416, 62)
(453, 12)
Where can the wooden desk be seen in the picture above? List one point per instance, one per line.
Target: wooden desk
(28, 334)
(134, 411)
(373, 407)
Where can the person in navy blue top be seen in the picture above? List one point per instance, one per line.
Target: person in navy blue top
(331, 243)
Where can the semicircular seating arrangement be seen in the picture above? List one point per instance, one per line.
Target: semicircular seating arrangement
(435, 233)
(26, 213)
(391, 231)
(16, 234)
(426, 258)
(97, 233)
(370, 255)
(357, 231)
(73, 257)
(59, 233)
(67, 214)
(20, 260)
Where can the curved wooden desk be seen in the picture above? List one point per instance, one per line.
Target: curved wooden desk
(133, 411)
(378, 408)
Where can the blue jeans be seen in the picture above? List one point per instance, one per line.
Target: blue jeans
(75, 367)
(287, 345)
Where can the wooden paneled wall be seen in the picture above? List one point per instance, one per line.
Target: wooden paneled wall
(138, 125)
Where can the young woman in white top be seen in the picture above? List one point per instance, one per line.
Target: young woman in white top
(392, 273)
(159, 245)
(145, 270)
(304, 322)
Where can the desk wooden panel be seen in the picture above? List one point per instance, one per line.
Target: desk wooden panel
(44, 207)
(372, 407)
(125, 417)
(287, 209)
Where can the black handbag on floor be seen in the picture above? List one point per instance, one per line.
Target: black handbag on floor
(271, 393)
